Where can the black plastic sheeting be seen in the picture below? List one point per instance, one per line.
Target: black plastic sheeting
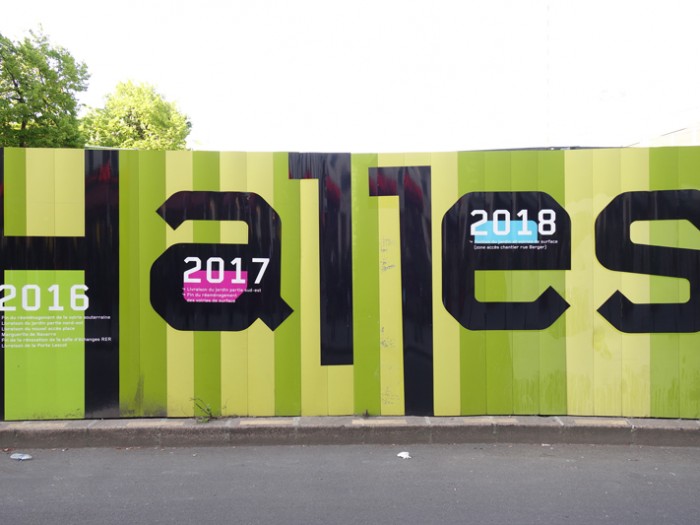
(100, 256)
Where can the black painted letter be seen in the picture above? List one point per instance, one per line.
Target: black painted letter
(503, 231)
(616, 251)
(220, 287)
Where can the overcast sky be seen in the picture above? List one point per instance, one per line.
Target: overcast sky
(392, 75)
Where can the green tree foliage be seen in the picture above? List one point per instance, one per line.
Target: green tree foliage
(39, 83)
(136, 116)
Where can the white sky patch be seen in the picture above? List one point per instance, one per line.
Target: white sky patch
(389, 75)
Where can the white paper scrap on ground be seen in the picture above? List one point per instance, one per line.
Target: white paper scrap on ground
(20, 457)
(404, 455)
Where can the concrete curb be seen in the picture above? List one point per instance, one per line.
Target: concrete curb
(348, 430)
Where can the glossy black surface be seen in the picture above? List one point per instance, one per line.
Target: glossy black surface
(264, 241)
(101, 256)
(412, 185)
(616, 251)
(97, 254)
(462, 257)
(332, 170)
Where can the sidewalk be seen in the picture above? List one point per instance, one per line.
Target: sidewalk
(348, 430)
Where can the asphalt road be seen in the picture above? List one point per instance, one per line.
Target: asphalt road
(367, 484)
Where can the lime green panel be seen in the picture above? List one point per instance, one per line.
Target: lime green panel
(180, 344)
(207, 345)
(579, 282)
(130, 379)
(41, 182)
(260, 170)
(234, 345)
(665, 348)
(446, 329)
(365, 285)
(314, 377)
(70, 193)
(15, 192)
(390, 308)
(607, 341)
(499, 343)
(525, 371)
(389, 270)
(689, 344)
(44, 346)
(472, 343)
(288, 334)
(525, 286)
(688, 236)
(153, 336)
(142, 357)
(552, 341)
(341, 391)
